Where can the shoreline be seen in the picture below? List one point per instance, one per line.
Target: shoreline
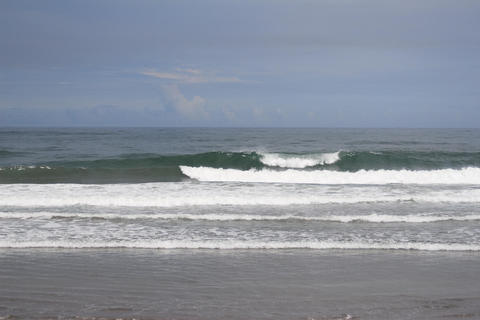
(237, 284)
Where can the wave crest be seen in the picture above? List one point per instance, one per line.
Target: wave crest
(443, 176)
(137, 168)
(298, 161)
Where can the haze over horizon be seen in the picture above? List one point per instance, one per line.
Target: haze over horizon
(240, 63)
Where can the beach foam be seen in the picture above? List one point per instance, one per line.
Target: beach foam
(443, 176)
(241, 244)
(208, 194)
(373, 218)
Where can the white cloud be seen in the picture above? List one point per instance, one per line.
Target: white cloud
(189, 70)
(189, 76)
(194, 108)
(229, 114)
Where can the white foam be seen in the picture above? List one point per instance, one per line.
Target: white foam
(445, 176)
(375, 218)
(23, 168)
(298, 161)
(208, 194)
(241, 244)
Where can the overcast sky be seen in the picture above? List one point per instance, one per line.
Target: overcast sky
(331, 63)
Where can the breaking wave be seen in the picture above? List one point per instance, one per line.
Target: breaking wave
(443, 176)
(298, 161)
(137, 168)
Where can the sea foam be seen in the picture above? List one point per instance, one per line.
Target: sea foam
(298, 161)
(241, 244)
(469, 175)
(208, 194)
(372, 218)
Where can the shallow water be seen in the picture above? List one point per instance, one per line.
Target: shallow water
(240, 188)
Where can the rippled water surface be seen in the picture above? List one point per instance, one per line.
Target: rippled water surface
(287, 223)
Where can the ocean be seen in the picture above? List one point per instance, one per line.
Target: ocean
(239, 223)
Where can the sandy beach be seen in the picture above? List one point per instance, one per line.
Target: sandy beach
(250, 284)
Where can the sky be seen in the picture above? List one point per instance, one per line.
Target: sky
(325, 63)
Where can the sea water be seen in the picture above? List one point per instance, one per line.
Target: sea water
(264, 193)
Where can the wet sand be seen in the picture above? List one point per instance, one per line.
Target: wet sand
(238, 284)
